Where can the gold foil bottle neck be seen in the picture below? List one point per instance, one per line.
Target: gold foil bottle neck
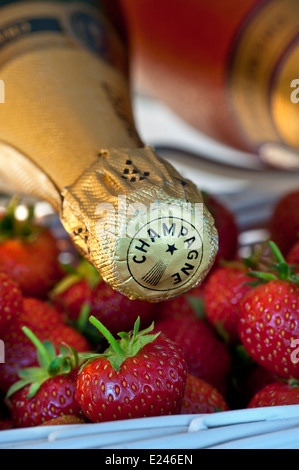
(142, 226)
(68, 129)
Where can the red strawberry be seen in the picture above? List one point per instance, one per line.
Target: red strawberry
(139, 375)
(40, 314)
(224, 290)
(28, 254)
(47, 391)
(201, 397)
(67, 334)
(206, 355)
(284, 222)
(227, 228)
(11, 301)
(47, 324)
(226, 286)
(276, 394)
(54, 398)
(269, 319)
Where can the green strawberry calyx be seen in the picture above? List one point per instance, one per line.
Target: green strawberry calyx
(129, 344)
(51, 365)
(281, 270)
(84, 271)
(293, 383)
(257, 260)
(11, 227)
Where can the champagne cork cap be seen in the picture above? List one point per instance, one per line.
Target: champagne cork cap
(140, 224)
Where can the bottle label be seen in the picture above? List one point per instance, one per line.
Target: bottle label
(165, 238)
(263, 67)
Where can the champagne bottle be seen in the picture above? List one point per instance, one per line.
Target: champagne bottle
(229, 68)
(67, 136)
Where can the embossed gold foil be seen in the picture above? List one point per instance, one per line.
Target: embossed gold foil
(67, 136)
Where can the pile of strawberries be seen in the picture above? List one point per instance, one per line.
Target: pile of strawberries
(77, 351)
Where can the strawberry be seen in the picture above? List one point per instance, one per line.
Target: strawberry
(284, 222)
(11, 301)
(276, 394)
(201, 397)
(65, 333)
(28, 254)
(227, 228)
(206, 355)
(47, 391)
(269, 319)
(224, 290)
(74, 290)
(139, 375)
(47, 324)
(41, 314)
(226, 286)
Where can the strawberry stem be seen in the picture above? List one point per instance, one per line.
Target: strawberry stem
(284, 271)
(50, 365)
(129, 344)
(112, 341)
(293, 383)
(84, 271)
(83, 317)
(277, 253)
(38, 344)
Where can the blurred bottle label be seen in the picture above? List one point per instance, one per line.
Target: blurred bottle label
(262, 72)
(74, 23)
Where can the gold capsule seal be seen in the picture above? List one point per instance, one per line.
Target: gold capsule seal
(142, 225)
